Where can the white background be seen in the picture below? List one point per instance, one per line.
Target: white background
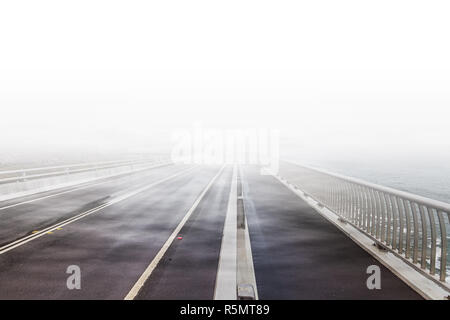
(337, 77)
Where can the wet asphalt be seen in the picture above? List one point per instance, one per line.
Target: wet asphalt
(297, 254)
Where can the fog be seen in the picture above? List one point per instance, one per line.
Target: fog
(338, 78)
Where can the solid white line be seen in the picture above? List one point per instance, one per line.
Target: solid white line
(226, 281)
(76, 189)
(147, 273)
(24, 240)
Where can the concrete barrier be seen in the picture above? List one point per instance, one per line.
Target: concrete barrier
(23, 186)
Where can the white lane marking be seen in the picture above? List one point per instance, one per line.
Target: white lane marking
(226, 281)
(147, 273)
(75, 189)
(246, 270)
(61, 224)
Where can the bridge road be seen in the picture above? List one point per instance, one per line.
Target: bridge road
(20, 217)
(298, 254)
(112, 247)
(189, 268)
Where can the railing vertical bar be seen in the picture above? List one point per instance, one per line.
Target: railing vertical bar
(332, 188)
(379, 212)
(361, 208)
(355, 205)
(319, 192)
(433, 240)
(330, 194)
(424, 237)
(358, 208)
(344, 199)
(443, 229)
(347, 201)
(365, 208)
(336, 196)
(401, 213)
(384, 214)
(352, 204)
(415, 214)
(325, 192)
(408, 213)
(370, 210)
(373, 208)
(352, 208)
(395, 215)
(389, 215)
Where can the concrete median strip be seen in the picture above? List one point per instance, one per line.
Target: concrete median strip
(226, 281)
(246, 279)
(154, 263)
(37, 234)
(235, 275)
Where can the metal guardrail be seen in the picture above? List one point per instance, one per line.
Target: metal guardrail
(42, 172)
(414, 227)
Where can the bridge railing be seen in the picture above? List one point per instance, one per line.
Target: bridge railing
(414, 227)
(42, 172)
(22, 182)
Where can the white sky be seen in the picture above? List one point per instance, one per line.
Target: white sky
(105, 74)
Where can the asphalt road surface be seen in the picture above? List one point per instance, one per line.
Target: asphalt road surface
(298, 254)
(165, 227)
